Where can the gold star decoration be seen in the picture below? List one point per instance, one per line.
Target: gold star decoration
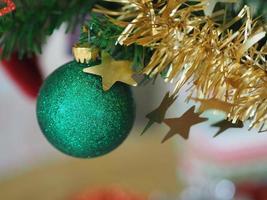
(225, 125)
(158, 115)
(112, 71)
(182, 125)
(213, 104)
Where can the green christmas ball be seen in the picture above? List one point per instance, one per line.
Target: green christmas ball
(78, 118)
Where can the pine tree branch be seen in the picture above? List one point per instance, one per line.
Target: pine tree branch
(26, 29)
(104, 34)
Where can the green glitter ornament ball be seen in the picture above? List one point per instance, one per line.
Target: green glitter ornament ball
(78, 118)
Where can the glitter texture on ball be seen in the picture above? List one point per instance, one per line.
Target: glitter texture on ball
(78, 118)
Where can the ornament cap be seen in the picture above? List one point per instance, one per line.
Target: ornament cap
(84, 54)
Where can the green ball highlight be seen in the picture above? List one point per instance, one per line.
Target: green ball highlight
(78, 118)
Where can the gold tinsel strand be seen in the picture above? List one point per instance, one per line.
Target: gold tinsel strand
(221, 64)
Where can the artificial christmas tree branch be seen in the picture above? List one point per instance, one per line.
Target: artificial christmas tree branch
(101, 33)
(26, 29)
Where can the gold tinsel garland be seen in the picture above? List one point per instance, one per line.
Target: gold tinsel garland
(225, 67)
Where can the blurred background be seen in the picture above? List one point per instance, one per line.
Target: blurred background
(231, 166)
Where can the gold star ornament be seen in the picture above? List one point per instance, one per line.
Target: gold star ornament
(225, 125)
(182, 125)
(213, 104)
(112, 71)
(158, 115)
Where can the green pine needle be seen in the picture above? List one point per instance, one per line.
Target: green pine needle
(26, 29)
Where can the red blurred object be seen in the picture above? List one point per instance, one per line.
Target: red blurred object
(108, 194)
(10, 6)
(255, 191)
(25, 73)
